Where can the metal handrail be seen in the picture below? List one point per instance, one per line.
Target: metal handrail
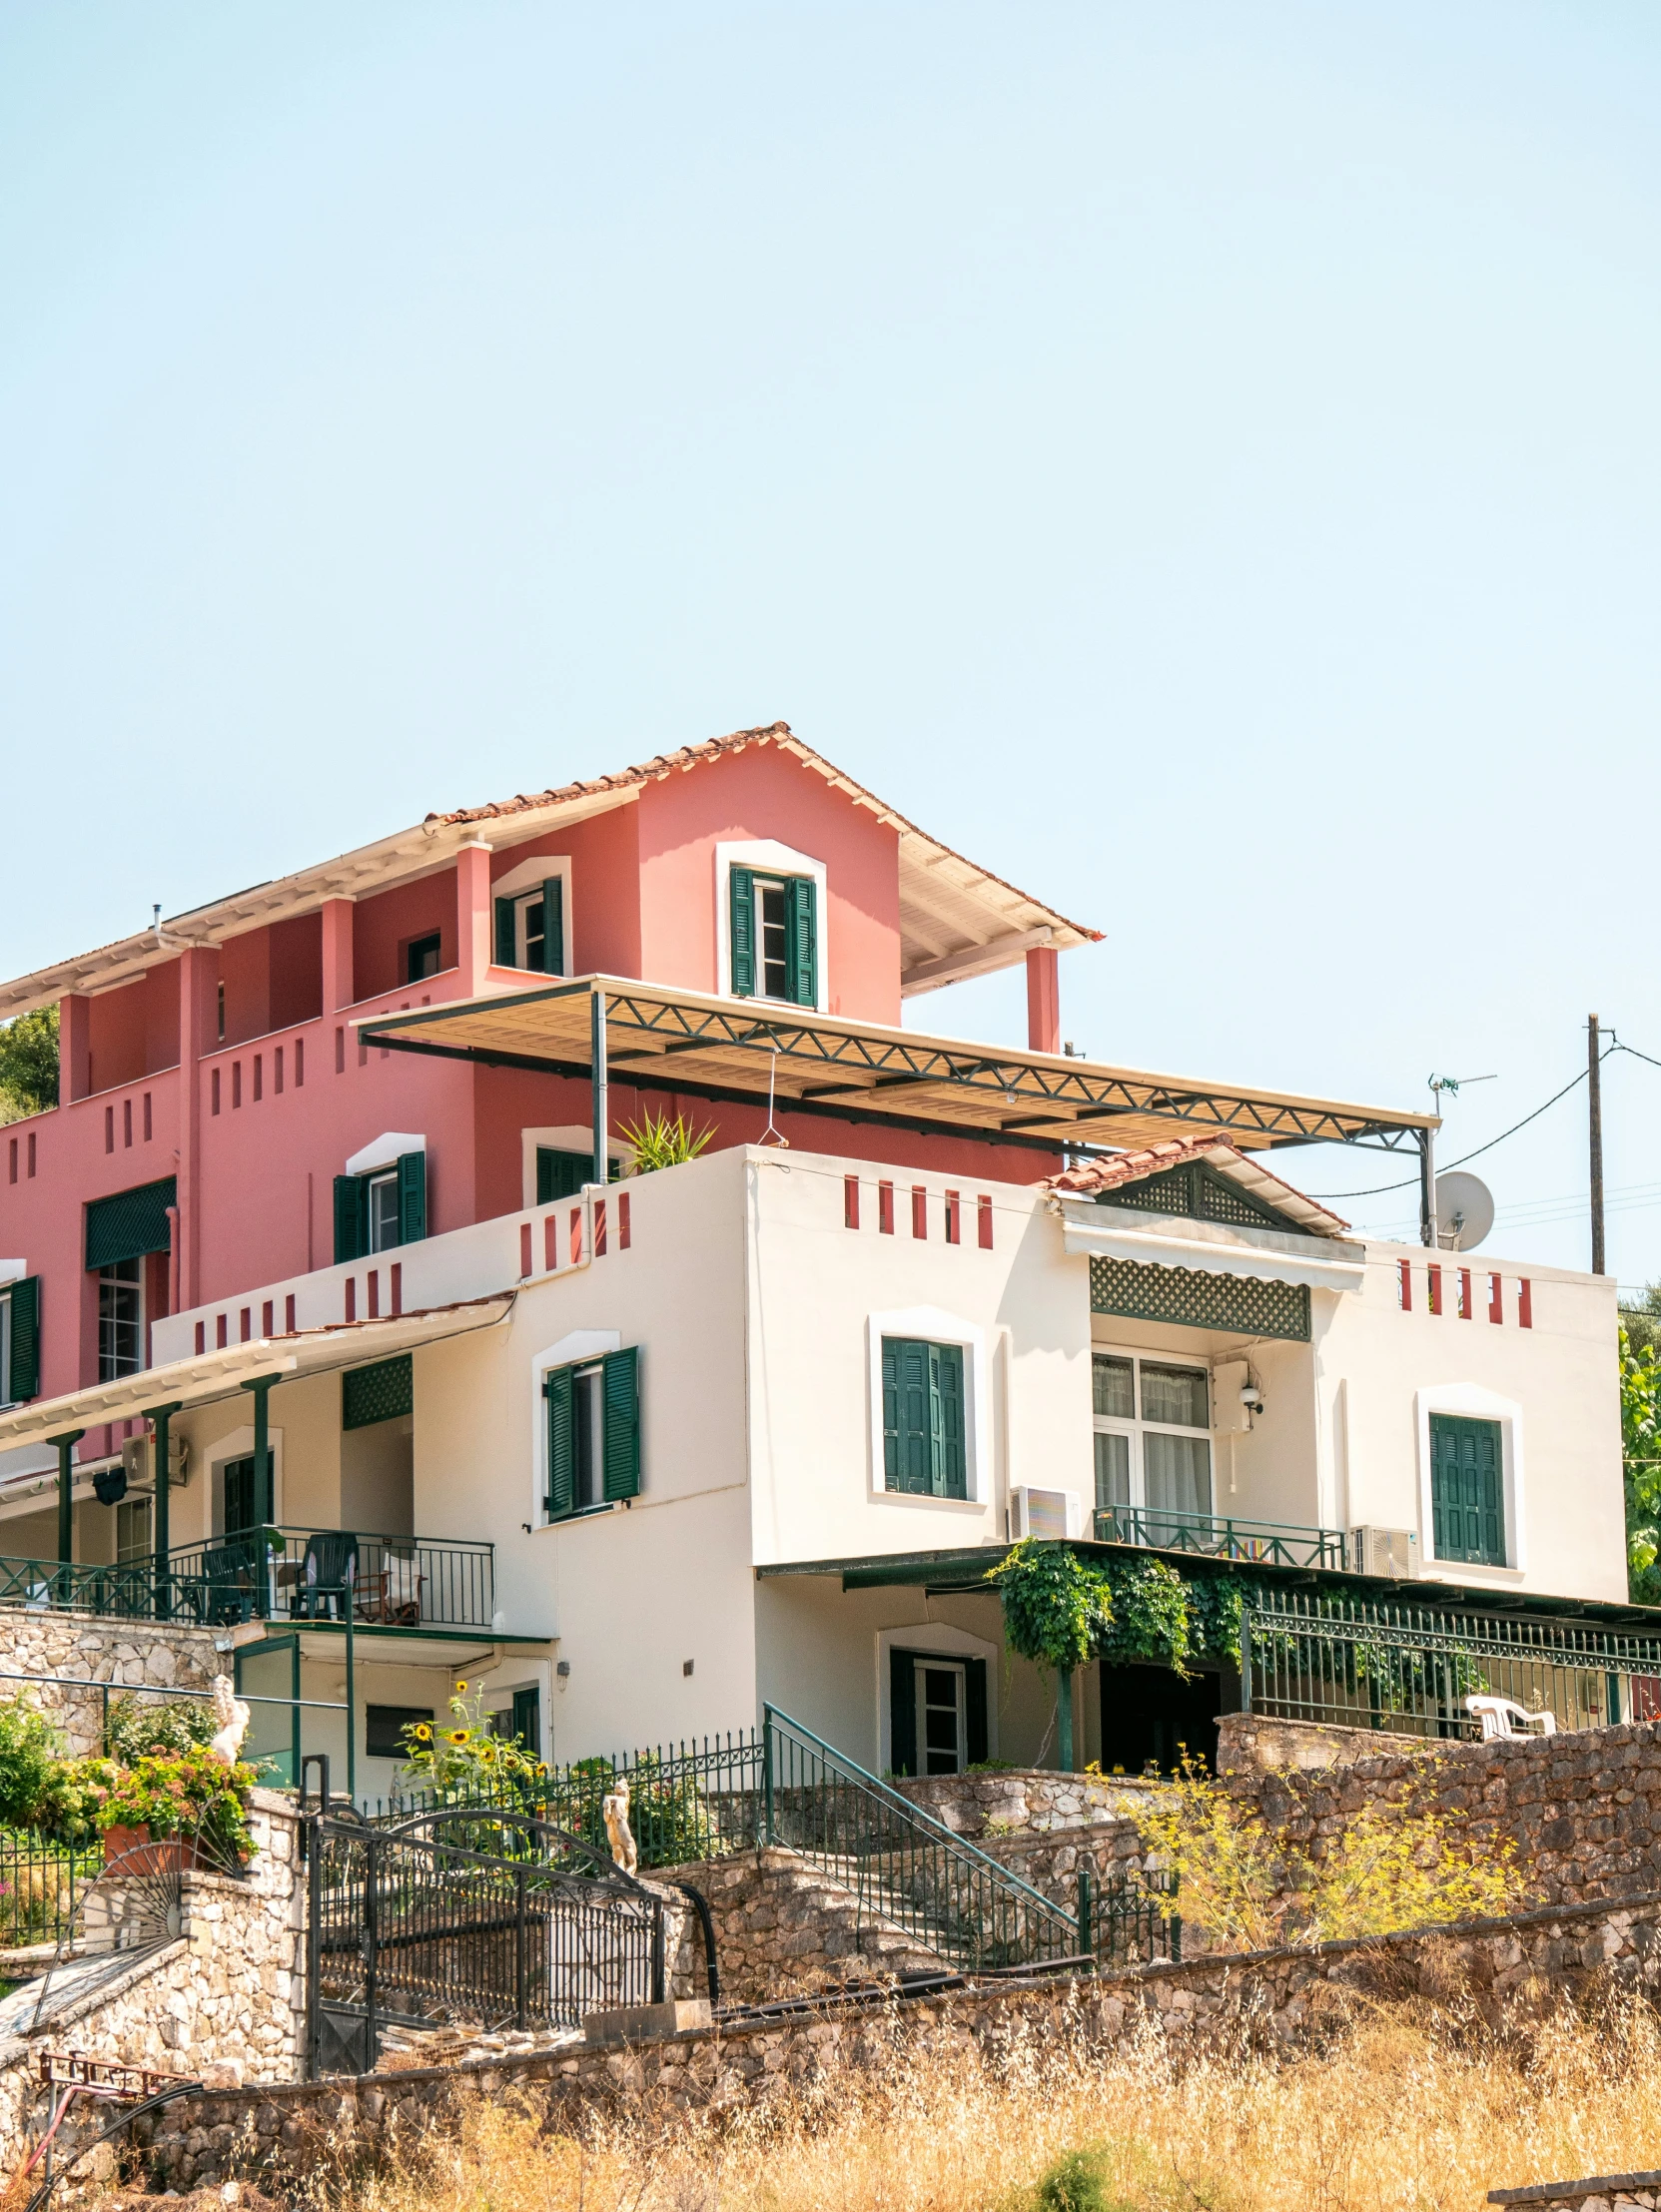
(1215, 1536)
(900, 1862)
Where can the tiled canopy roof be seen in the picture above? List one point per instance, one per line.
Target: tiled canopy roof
(1114, 1173)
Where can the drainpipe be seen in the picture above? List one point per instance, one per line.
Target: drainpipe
(597, 1078)
(66, 1501)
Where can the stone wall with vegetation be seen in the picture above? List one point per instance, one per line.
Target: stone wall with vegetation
(782, 1929)
(226, 2000)
(1021, 1801)
(128, 1655)
(1583, 1810)
(1277, 1999)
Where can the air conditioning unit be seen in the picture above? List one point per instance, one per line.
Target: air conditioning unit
(137, 1457)
(1389, 1552)
(1051, 1514)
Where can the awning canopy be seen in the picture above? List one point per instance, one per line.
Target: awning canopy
(747, 1049)
(212, 1376)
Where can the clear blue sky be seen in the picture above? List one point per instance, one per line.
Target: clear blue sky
(1202, 461)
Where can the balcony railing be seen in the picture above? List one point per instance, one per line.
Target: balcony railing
(276, 1574)
(1259, 1543)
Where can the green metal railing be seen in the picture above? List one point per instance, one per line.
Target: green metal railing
(1259, 1543)
(275, 1574)
(1408, 1669)
(1130, 1918)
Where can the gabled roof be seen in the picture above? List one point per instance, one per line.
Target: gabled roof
(956, 919)
(1099, 1175)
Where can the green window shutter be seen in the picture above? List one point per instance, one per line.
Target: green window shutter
(553, 927)
(1467, 1502)
(559, 1389)
(741, 884)
(130, 1224)
(349, 1189)
(621, 1387)
(890, 1413)
(947, 1460)
(911, 1393)
(505, 947)
(412, 1197)
(902, 1712)
(974, 1688)
(561, 1174)
(24, 1379)
(802, 938)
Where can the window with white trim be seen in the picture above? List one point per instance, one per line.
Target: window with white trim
(120, 1319)
(774, 935)
(1151, 1419)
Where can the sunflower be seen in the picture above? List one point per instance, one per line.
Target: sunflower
(458, 1736)
(423, 1732)
(460, 1689)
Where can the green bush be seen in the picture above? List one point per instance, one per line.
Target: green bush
(30, 1747)
(1073, 2184)
(143, 1728)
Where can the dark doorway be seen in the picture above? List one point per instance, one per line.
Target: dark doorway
(1149, 1714)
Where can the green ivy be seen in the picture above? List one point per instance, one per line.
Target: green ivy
(1058, 1608)
(1152, 1618)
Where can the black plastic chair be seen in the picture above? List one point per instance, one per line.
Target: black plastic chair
(328, 1577)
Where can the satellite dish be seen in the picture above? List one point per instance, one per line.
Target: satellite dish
(1465, 1211)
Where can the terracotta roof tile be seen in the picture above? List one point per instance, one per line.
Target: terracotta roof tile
(1114, 1172)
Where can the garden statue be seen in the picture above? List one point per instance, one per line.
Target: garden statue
(615, 1810)
(233, 1717)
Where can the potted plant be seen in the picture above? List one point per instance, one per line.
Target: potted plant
(182, 1809)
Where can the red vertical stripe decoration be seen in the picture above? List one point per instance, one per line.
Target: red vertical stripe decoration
(246, 1323)
(300, 1064)
(954, 1218)
(919, 1210)
(576, 1235)
(374, 1293)
(268, 1319)
(1496, 1300)
(1468, 1306)
(850, 1201)
(126, 1122)
(351, 1297)
(885, 1208)
(222, 1325)
(397, 1286)
(289, 1316)
(201, 1338)
(277, 1070)
(259, 1076)
(599, 1228)
(109, 1128)
(622, 1221)
(340, 1052)
(1404, 1284)
(212, 1090)
(1435, 1295)
(983, 1213)
(525, 1247)
(551, 1242)
(147, 1130)
(1525, 1303)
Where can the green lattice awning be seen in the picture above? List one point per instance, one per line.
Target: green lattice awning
(384, 1392)
(129, 1225)
(1246, 1305)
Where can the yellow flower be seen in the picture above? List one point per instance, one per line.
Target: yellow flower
(424, 1731)
(460, 1689)
(458, 1736)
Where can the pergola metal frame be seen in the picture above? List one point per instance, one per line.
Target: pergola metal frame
(635, 1028)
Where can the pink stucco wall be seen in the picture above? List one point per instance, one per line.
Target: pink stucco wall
(296, 1095)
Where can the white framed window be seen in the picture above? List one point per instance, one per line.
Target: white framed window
(132, 1531)
(918, 1329)
(120, 1319)
(1153, 1421)
(1464, 1407)
(384, 1216)
(584, 1350)
(531, 905)
(771, 924)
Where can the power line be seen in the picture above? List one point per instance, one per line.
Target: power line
(1380, 1189)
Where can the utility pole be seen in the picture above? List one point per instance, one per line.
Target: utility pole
(1594, 1100)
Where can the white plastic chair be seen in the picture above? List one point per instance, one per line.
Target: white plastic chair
(1503, 1718)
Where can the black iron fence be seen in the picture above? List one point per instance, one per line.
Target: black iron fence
(1130, 1918)
(41, 1883)
(475, 1914)
(1411, 1669)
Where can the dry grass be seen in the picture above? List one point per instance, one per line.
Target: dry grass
(1396, 2112)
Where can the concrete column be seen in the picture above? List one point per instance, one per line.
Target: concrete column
(473, 916)
(74, 1047)
(1043, 999)
(337, 986)
(197, 1034)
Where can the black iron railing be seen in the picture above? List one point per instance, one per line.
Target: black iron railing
(1130, 1918)
(1410, 1669)
(1262, 1543)
(40, 1885)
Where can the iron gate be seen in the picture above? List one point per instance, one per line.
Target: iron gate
(475, 1914)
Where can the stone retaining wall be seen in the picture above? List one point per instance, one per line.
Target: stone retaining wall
(1275, 1997)
(1035, 1800)
(781, 1928)
(125, 1654)
(1598, 2193)
(1583, 1810)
